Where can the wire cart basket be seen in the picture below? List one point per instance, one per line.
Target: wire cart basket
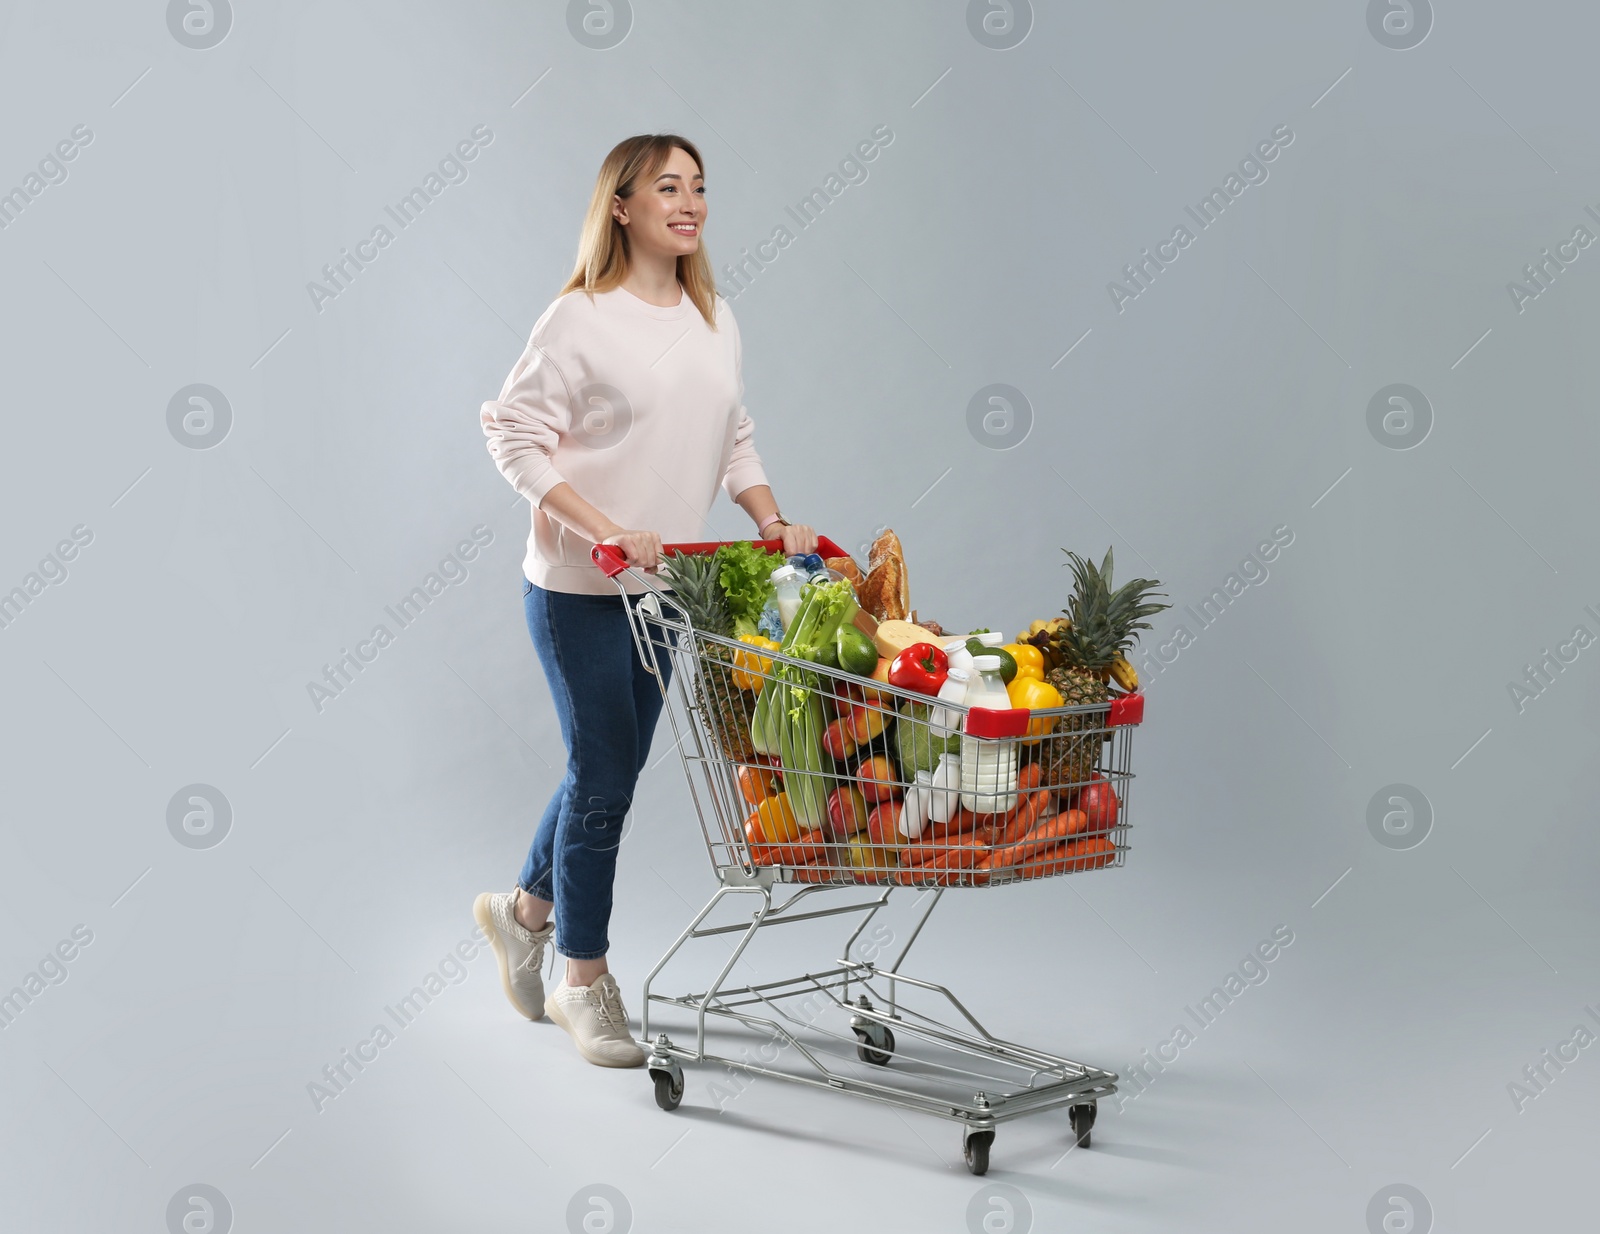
(924, 1049)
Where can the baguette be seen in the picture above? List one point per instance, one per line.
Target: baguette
(885, 593)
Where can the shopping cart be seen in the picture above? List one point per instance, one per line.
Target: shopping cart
(952, 1068)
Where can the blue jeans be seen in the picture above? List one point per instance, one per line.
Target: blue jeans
(608, 706)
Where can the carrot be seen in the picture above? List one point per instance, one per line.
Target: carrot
(924, 852)
(1101, 850)
(920, 865)
(963, 856)
(1044, 862)
(818, 873)
(922, 876)
(961, 822)
(963, 826)
(1044, 832)
(1032, 801)
(925, 849)
(1021, 820)
(1075, 855)
(1047, 857)
(809, 848)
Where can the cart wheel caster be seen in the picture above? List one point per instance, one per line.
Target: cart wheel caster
(669, 1087)
(875, 1044)
(1082, 1117)
(975, 1147)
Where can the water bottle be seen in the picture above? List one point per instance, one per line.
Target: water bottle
(787, 581)
(988, 765)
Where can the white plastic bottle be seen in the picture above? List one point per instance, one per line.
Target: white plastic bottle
(988, 765)
(957, 655)
(943, 794)
(914, 809)
(942, 721)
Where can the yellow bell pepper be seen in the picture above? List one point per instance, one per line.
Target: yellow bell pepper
(750, 667)
(778, 822)
(1035, 695)
(1030, 660)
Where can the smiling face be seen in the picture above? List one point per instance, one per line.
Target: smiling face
(665, 216)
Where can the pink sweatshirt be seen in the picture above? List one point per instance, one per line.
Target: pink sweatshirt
(639, 408)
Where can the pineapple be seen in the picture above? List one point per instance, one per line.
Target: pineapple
(1100, 629)
(726, 708)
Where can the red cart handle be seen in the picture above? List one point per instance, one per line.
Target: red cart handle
(983, 722)
(1126, 709)
(612, 563)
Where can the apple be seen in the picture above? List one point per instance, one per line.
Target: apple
(881, 675)
(883, 825)
(847, 812)
(838, 741)
(866, 723)
(876, 776)
(864, 857)
(1098, 801)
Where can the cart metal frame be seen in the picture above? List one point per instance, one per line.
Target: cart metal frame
(956, 1070)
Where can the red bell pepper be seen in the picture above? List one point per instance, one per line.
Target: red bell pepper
(921, 667)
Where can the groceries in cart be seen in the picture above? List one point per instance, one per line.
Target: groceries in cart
(867, 745)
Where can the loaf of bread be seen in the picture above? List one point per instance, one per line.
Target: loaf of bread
(847, 567)
(885, 593)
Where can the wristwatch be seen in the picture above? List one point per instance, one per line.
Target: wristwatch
(776, 517)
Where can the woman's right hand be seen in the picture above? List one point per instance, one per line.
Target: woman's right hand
(641, 549)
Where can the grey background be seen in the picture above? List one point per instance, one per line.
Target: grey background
(1229, 399)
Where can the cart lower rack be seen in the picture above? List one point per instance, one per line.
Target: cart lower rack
(825, 828)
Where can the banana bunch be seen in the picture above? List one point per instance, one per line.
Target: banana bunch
(1043, 634)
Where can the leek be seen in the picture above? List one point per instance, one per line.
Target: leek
(795, 717)
(765, 729)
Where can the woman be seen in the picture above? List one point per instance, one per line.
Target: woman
(628, 396)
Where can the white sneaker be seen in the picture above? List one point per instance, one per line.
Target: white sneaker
(594, 1017)
(519, 950)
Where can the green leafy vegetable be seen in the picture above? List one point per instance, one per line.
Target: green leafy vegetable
(745, 573)
(918, 742)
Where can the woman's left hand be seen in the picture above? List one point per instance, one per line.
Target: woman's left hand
(798, 538)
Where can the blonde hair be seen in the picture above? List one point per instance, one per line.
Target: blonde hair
(603, 247)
